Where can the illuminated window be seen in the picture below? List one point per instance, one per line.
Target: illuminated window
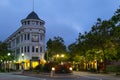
(36, 48)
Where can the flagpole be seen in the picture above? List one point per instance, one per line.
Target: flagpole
(33, 5)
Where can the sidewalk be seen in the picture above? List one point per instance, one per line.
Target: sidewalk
(109, 76)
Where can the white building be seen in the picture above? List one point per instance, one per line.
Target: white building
(29, 40)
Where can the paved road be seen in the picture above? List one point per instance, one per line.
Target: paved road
(7, 76)
(75, 76)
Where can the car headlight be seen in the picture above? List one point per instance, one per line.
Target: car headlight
(70, 68)
(53, 69)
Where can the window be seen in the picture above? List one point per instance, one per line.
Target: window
(36, 48)
(40, 49)
(25, 36)
(28, 22)
(25, 22)
(21, 38)
(35, 58)
(18, 51)
(21, 49)
(32, 48)
(17, 40)
(28, 50)
(25, 48)
(35, 38)
(28, 36)
(40, 23)
(37, 23)
(40, 37)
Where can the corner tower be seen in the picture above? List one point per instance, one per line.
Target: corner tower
(34, 34)
(28, 42)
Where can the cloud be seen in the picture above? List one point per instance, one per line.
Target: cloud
(69, 23)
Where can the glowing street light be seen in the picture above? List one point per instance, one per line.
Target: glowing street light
(22, 54)
(8, 63)
(57, 55)
(8, 54)
(62, 55)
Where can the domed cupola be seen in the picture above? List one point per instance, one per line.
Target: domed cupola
(33, 15)
(32, 20)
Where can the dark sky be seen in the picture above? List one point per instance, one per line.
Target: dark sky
(65, 18)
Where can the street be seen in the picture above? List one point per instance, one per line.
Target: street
(74, 76)
(7, 76)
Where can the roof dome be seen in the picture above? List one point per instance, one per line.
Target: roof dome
(32, 15)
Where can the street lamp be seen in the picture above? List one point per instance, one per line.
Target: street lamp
(22, 62)
(23, 56)
(62, 55)
(57, 55)
(8, 54)
(8, 62)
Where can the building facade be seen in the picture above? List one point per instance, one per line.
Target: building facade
(28, 42)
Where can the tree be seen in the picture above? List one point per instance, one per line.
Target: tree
(115, 33)
(56, 46)
(4, 52)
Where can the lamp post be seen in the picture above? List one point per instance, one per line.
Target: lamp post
(22, 63)
(23, 56)
(62, 56)
(8, 62)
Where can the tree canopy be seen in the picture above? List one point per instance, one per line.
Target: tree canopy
(101, 42)
(4, 56)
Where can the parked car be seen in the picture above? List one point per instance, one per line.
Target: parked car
(63, 68)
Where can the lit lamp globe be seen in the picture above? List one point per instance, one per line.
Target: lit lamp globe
(22, 54)
(8, 54)
(62, 55)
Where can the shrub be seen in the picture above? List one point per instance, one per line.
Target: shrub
(113, 68)
(48, 66)
(39, 67)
